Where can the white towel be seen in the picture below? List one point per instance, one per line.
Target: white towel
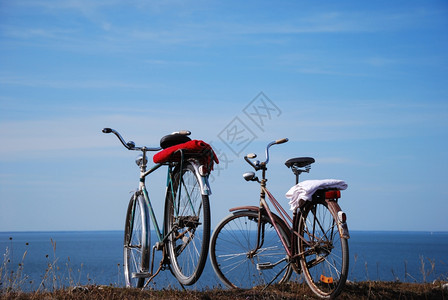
(305, 190)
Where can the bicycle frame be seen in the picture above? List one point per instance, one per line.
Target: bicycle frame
(282, 214)
(267, 245)
(142, 162)
(286, 218)
(205, 189)
(144, 192)
(162, 236)
(187, 181)
(265, 207)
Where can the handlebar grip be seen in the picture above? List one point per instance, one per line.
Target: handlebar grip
(281, 141)
(107, 130)
(182, 132)
(185, 132)
(251, 155)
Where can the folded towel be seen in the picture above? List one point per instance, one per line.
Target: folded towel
(305, 190)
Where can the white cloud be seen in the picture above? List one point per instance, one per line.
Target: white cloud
(47, 137)
(378, 61)
(185, 28)
(12, 80)
(82, 135)
(163, 62)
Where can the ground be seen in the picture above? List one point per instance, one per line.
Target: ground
(360, 290)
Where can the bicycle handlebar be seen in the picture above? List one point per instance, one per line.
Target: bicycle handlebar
(129, 145)
(262, 165)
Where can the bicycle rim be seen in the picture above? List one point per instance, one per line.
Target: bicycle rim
(188, 222)
(136, 242)
(234, 256)
(324, 258)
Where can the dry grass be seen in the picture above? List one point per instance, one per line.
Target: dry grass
(12, 283)
(360, 290)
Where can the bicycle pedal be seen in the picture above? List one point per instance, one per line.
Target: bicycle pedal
(141, 275)
(265, 266)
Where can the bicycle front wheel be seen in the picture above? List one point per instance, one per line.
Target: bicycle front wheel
(237, 260)
(323, 253)
(136, 242)
(187, 221)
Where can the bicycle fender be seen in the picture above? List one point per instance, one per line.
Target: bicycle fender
(203, 180)
(250, 208)
(256, 209)
(339, 215)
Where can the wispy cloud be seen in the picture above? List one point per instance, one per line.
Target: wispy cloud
(327, 71)
(76, 135)
(47, 137)
(378, 61)
(337, 160)
(163, 62)
(185, 29)
(70, 84)
(364, 120)
(27, 33)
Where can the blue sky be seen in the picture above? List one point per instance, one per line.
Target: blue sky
(360, 86)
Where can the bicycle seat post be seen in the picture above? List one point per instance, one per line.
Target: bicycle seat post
(299, 165)
(297, 171)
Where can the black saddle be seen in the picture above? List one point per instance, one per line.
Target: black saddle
(173, 139)
(299, 162)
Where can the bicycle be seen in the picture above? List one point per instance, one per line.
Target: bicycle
(255, 246)
(185, 235)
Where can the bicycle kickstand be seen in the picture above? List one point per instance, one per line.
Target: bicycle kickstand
(152, 268)
(281, 271)
(164, 261)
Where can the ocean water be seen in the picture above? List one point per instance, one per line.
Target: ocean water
(43, 260)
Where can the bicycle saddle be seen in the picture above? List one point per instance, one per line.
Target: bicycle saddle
(299, 162)
(173, 139)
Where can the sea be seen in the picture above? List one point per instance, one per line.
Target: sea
(47, 260)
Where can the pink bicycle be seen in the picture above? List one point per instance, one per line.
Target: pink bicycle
(255, 246)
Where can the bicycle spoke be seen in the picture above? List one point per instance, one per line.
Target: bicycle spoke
(186, 211)
(136, 253)
(236, 258)
(188, 225)
(316, 221)
(188, 190)
(325, 257)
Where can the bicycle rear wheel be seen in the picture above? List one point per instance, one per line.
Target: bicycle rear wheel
(324, 254)
(235, 257)
(187, 221)
(136, 242)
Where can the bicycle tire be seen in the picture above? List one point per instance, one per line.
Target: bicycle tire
(232, 245)
(324, 253)
(187, 223)
(136, 242)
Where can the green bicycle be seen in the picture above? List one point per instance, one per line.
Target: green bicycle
(185, 235)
